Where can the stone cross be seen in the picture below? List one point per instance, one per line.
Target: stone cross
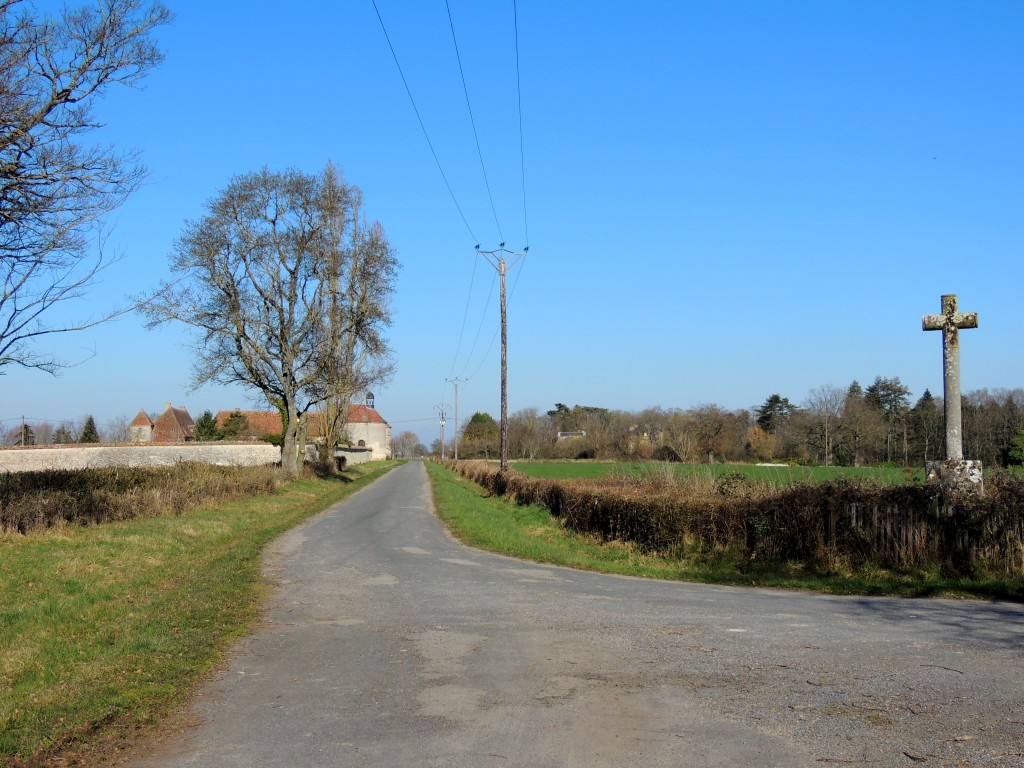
(950, 322)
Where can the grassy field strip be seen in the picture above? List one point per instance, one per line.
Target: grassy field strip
(104, 628)
(769, 474)
(532, 533)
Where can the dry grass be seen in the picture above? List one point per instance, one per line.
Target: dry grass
(35, 501)
(823, 525)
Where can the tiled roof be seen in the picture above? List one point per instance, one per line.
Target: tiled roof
(363, 414)
(141, 420)
(260, 423)
(173, 426)
(269, 422)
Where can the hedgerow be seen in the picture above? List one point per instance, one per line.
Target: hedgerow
(895, 526)
(34, 501)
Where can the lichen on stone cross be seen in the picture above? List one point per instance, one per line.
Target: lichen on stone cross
(950, 322)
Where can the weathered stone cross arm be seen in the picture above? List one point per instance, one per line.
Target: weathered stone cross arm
(950, 320)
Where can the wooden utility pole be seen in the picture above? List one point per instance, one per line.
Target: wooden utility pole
(497, 260)
(440, 407)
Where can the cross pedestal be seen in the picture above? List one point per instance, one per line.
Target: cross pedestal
(954, 473)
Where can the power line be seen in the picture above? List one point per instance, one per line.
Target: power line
(494, 336)
(522, 169)
(465, 316)
(519, 99)
(420, 119)
(472, 121)
(483, 318)
(500, 262)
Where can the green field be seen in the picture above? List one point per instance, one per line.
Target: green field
(772, 475)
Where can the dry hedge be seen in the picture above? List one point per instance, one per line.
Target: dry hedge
(34, 501)
(902, 526)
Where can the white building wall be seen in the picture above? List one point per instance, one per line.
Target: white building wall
(376, 437)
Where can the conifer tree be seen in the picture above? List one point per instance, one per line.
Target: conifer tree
(89, 432)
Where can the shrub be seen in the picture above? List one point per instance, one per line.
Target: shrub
(666, 453)
(32, 501)
(894, 526)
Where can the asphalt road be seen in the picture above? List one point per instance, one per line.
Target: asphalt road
(387, 643)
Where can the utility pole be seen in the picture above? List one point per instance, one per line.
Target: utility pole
(497, 260)
(456, 381)
(440, 408)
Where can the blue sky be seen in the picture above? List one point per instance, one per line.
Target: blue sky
(724, 200)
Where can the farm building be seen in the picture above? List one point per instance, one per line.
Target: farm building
(364, 427)
(174, 425)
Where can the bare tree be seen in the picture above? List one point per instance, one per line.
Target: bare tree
(527, 430)
(118, 430)
(825, 403)
(259, 282)
(359, 274)
(407, 445)
(681, 434)
(44, 433)
(53, 189)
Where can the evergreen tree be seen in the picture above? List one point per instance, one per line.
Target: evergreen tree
(89, 432)
(892, 399)
(21, 435)
(234, 426)
(773, 413)
(206, 428)
(480, 437)
(1017, 449)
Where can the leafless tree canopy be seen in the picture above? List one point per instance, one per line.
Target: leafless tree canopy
(358, 275)
(844, 426)
(53, 187)
(288, 292)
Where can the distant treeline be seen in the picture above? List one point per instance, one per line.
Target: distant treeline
(852, 426)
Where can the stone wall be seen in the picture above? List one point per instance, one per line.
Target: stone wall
(81, 457)
(350, 455)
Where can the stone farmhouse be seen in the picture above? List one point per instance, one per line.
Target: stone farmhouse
(174, 425)
(365, 428)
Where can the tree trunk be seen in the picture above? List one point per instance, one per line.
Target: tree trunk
(289, 448)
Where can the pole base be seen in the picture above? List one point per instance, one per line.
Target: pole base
(956, 476)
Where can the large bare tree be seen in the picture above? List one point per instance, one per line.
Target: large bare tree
(266, 282)
(825, 404)
(360, 269)
(54, 189)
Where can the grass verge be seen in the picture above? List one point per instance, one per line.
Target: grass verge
(104, 628)
(532, 533)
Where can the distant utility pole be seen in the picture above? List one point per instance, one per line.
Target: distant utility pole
(456, 381)
(497, 260)
(440, 408)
